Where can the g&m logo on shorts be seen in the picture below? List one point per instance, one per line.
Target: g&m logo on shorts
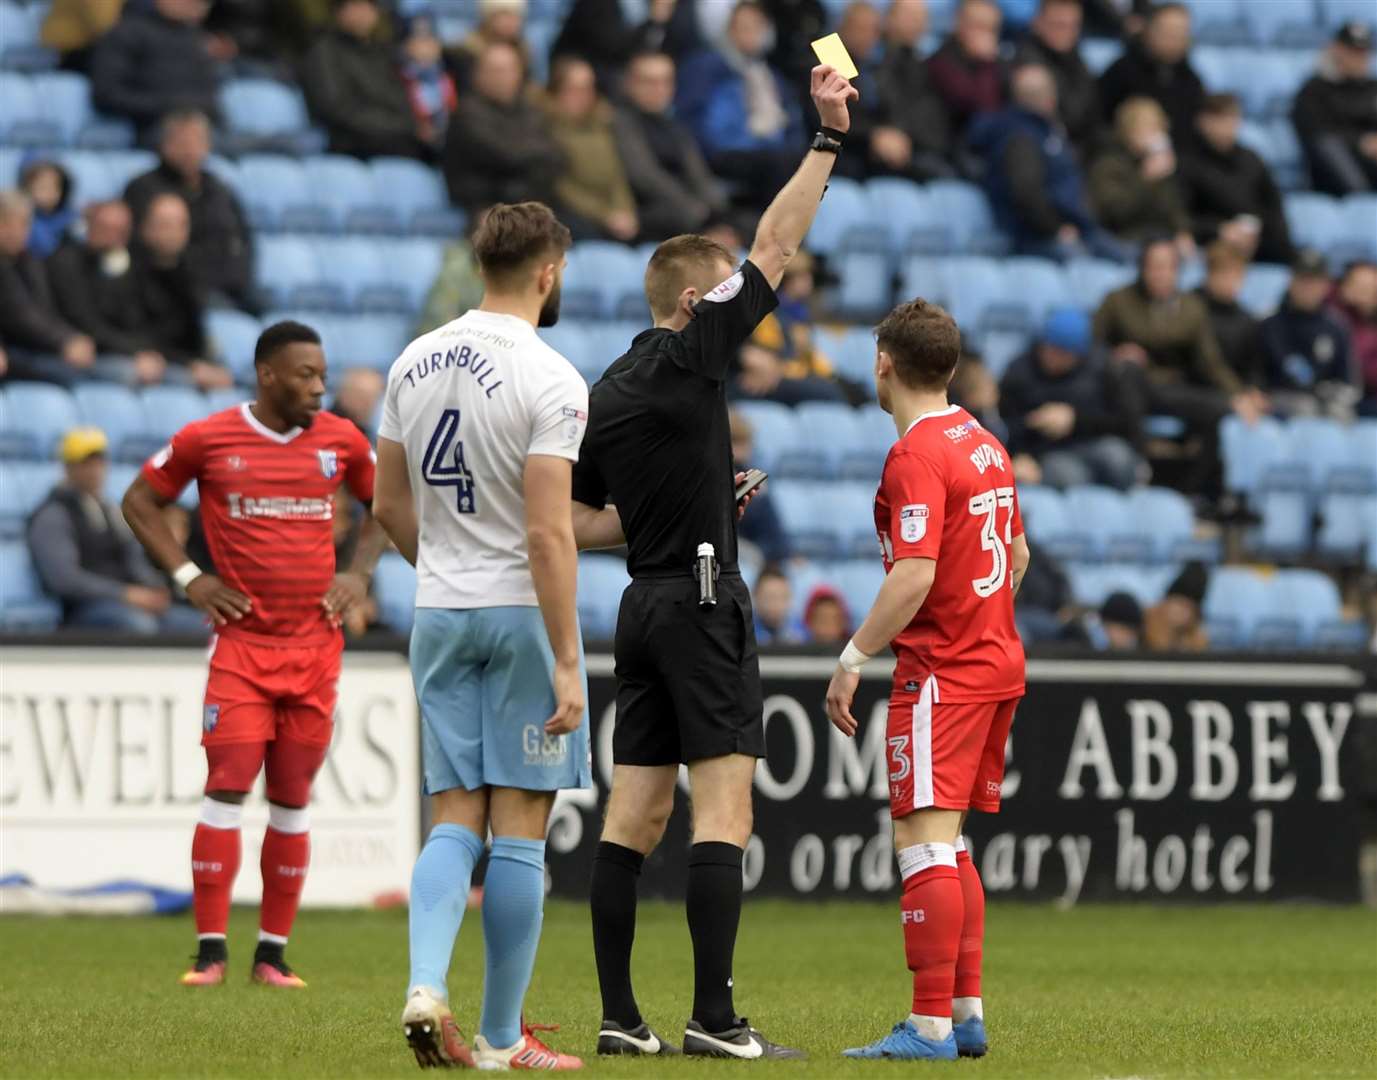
(913, 523)
(542, 749)
(210, 717)
(329, 463)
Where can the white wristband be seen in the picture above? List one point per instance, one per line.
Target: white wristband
(852, 659)
(185, 574)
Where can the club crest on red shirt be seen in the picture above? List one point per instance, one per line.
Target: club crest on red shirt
(329, 462)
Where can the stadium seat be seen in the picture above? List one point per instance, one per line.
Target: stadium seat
(264, 110)
(974, 289)
(1319, 448)
(233, 335)
(23, 485)
(22, 122)
(1314, 219)
(1000, 348)
(1290, 25)
(809, 515)
(1285, 529)
(358, 270)
(1048, 522)
(418, 195)
(875, 434)
(859, 581)
(1347, 522)
(231, 397)
(44, 412)
(23, 607)
(277, 194)
(1164, 523)
(119, 413)
(968, 210)
(568, 339)
(125, 165)
(865, 284)
(1357, 234)
(600, 276)
(825, 430)
(289, 273)
(851, 350)
(1092, 583)
(1099, 53)
(607, 341)
(1096, 517)
(366, 341)
(1249, 450)
(64, 100)
(854, 503)
(775, 431)
(20, 46)
(92, 180)
(602, 579)
(1334, 13)
(344, 186)
(167, 409)
(911, 220)
(412, 265)
(1287, 160)
(1236, 600)
(1040, 283)
(1263, 288)
(844, 221)
(1301, 601)
(394, 586)
(14, 441)
(1218, 22)
(1091, 280)
(1357, 473)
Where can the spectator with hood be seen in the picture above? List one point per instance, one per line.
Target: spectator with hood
(1134, 185)
(1032, 176)
(966, 71)
(49, 189)
(499, 147)
(1335, 115)
(221, 250)
(1053, 40)
(603, 33)
(1229, 191)
(592, 194)
(1354, 303)
(1069, 409)
(354, 87)
(1157, 65)
(156, 59)
(746, 118)
(826, 618)
(1233, 325)
(1306, 348)
(911, 103)
(675, 190)
(1176, 623)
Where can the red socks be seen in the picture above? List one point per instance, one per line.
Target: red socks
(286, 854)
(214, 864)
(932, 911)
(972, 927)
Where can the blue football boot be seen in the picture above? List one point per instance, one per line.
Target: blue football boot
(970, 1037)
(905, 1044)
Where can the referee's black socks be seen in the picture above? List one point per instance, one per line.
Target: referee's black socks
(612, 896)
(714, 912)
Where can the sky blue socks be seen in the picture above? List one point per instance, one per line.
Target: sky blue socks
(513, 906)
(439, 894)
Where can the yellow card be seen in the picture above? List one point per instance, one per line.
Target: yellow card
(832, 52)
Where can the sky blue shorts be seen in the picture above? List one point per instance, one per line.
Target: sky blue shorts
(484, 678)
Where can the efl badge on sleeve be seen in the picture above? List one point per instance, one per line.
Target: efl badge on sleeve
(210, 718)
(329, 463)
(913, 523)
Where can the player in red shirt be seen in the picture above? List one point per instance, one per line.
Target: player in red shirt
(267, 472)
(954, 553)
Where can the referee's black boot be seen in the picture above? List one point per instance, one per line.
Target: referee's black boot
(640, 1041)
(741, 1041)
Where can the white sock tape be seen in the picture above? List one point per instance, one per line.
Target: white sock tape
(221, 815)
(283, 819)
(960, 844)
(920, 857)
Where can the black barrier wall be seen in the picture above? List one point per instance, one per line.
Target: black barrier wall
(1190, 780)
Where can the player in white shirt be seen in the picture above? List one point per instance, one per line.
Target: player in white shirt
(482, 423)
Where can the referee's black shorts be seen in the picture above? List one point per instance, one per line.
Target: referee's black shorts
(688, 678)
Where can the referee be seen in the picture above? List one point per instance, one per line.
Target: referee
(688, 678)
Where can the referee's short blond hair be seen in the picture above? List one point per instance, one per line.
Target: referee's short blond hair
(680, 262)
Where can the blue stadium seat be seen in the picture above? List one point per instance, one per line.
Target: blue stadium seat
(23, 607)
(844, 221)
(968, 210)
(119, 413)
(357, 268)
(233, 335)
(1284, 532)
(775, 431)
(19, 34)
(125, 165)
(851, 350)
(1047, 520)
(865, 284)
(22, 121)
(1301, 601)
(1091, 280)
(1236, 600)
(808, 512)
(1289, 25)
(418, 195)
(911, 219)
(1263, 288)
(1249, 450)
(1357, 474)
(1000, 348)
(804, 577)
(263, 108)
(277, 194)
(344, 186)
(874, 430)
(230, 397)
(570, 340)
(288, 271)
(1218, 22)
(1147, 583)
(828, 431)
(92, 180)
(14, 441)
(64, 101)
(602, 579)
(854, 507)
(1334, 13)
(1357, 236)
(1319, 448)
(373, 341)
(607, 341)
(978, 296)
(599, 278)
(118, 479)
(1099, 53)
(23, 485)
(1096, 515)
(44, 412)
(1314, 219)
(1041, 283)
(412, 266)
(1286, 159)
(10, 156)
(1346, 524)
(859, 580)
(394, 586)
(167, 409)
(1165, 524)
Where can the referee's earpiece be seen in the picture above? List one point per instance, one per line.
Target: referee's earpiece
(688, 302)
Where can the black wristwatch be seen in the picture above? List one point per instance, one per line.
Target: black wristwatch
(826, 143)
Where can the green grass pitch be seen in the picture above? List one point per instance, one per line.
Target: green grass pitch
(1095, 992)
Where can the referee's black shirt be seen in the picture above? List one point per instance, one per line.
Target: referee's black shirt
(658, 444)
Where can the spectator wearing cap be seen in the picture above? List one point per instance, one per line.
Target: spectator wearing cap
(1306, 348)
(1354, 303)
(762, 531)
(826, 618)
(746, 118)
(1175, 623)
(1119, 624)
(1335, 115)
(773, 602)
(675, 190)
(355, 90)
(1171, 361)
(157, 58)
(1033, 176)
(1229, 191)
(1157, 65)
(1053, 40)
(501, 21)
(220, 251)
(1069, 409)
(592, 194)
(912, 106)
(1234, 327)
(499, 147)
(89, 560)
(966, 70)
(1134, 182)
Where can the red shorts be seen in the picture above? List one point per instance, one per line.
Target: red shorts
(258, 692)
(946, 756)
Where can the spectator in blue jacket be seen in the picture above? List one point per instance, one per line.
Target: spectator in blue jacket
(1306, 348)
(1034, 179)
(49, 189)
(745, 117)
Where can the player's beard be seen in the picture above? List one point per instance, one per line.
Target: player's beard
(882, 393)
(549, 311)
